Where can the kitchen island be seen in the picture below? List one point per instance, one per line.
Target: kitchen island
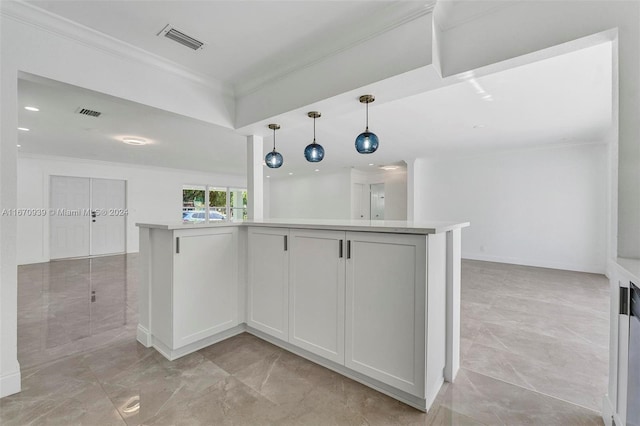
(377, 301)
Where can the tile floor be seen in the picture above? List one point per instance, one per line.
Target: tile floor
(534, 351)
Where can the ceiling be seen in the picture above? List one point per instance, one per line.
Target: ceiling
(566, 99)
(247, 42)
(174, 141)
(560, 100)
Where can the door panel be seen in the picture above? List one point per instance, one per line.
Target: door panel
(385, 303)
(109, 202)
(69, 222)
(316, 289)
(205, 286)
(268, 308)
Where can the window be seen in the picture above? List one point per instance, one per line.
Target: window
(193, 203)
(238, 202)
(204, 203)
(218, 200)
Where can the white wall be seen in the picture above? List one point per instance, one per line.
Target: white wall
(317, 196)
(510, 31)
(329, 195)
(395, 190)
(541, 207)
(153, 195)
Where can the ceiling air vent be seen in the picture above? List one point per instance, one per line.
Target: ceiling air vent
(89, 112)
(180, 37)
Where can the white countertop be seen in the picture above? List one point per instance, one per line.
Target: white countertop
(390, 226)
(632, 266)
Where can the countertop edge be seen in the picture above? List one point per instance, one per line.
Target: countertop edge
(425, 229)
(631, 267)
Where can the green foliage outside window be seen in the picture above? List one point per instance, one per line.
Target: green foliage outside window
(193, 197)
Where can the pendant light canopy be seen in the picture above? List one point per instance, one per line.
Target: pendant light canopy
(367, 142)
(274, 158)
(314, 152)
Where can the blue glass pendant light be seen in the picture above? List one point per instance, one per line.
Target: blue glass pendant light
(314, 152)
(367, 142)
(274, 158)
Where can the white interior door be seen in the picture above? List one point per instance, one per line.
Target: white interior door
(361, 201)
(108, 213)
(377, 201)
(69, 225)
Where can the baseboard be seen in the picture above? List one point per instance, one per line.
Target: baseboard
(143, 336)
(172, 354)
(536, 263)
(10, 383)
(607, 411)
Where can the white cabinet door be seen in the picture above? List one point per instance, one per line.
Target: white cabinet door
(268, 276)
(205, 285)
(316, 292)
(385, 308)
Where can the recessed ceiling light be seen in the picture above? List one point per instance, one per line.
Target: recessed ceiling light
(290, 173)
(268, 177)
(134, 141)
(371, 164)
(317, 170)
(18, 145)
(24, 129)
(388, 167)
(31, 108)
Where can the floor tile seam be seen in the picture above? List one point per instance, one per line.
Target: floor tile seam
(459, 414)
(97, 380)
(535, 362)
(51, 362)
(535, 391)
(586, 341)
(552, 303)
(577, 339)
(86, 351)
(255, 390)
(521, 328)
(157, 412)
(58, 402)
(491, 376)
(471, 416)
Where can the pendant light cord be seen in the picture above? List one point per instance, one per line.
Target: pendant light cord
(274, 139)
(367, 129)
(314, 129)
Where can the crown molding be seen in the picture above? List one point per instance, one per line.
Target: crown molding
(36, 17)
(390, 18)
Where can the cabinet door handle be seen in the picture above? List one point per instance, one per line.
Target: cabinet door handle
(340, 248)
(178, 245)
(348, 249)
(285, 244)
